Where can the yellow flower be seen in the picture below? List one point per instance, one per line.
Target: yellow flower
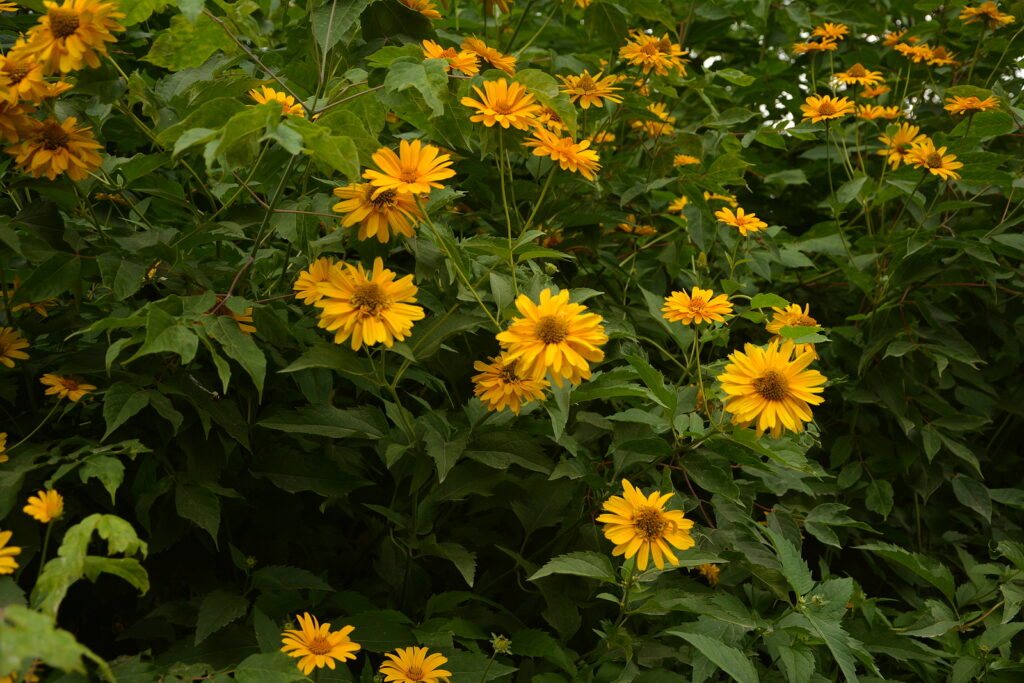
(548, 118)
(66, 387)
(414, 665)
(8, 7)
(891, 38)
(825, 107)
(873, 111)
(899, 144)
(503, 103)
(3, 448)
(916, 53)
(22, 75)
(317, 645)
(743, 221)
(307, 284)
(657, 54)
(709, 572)
(506, 63)
(768, 387)
(940, 57)
(244, 320)
(414, 170)
(678, 204)
(989, 11)
(72, 34)
(14, 120)
(499, 386)
(633, 227)
(7, 554)
(51, 148)
(684, 160)
(45, 506)
(604, 136)
(826, 45)
(663, 126)
(587, 90)
(702, 306)
(571, 156)
(378, 216)
(936, 161)
(858, 75)
(830, 31)
(963, 105)
(792, 316)
(11, 345)
(368, 309)
(640, 525)
(554, 336)
(288, 105)
(424, 7)
(874, 91)
(460, 60)
(709, 196)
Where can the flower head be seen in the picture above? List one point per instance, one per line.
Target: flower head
(7, 554)
(15, 121)
(826, 107)
(662, 125)
(498, 60)
(634, 227)
(306, 286)
(499, 386)
(858, 75)
(640, 525)
(941, 57)
(899, 144)
(38, 306)
(826, 45)
(657, 54)
(70, 388)
(769, 388)
(424, 7)
(587, 90)
(831, 31)
(710, 572)
(728, 198)
(72, 34)
(52, 147)
(989, 12)
(700, 306)
(684, 160)
(964, 105)
(892, 38)
(571, 156)
(3, 448)
(678, 204)
(935, 161)
(554, 336)
(415, 169)
(503, 103)
(45, 506)
(289, 107)
(792, 316)
(21, 73)
(414, 665)
(379, 214)
(548, 118)
(915, 53)
(873, 91)
(873, 111)
(741, 220)
(460, 60)
(317, 645)
(11, 345)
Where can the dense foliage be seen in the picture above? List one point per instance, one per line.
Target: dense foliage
(258, 371)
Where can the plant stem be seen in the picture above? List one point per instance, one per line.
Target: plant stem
(38, 426)
(504, 204)
(540, 199)
(46, 546)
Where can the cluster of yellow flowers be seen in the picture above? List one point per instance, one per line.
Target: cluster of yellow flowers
(44, 507)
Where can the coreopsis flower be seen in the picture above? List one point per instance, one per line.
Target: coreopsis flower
(634, 227)
(289, 107)
(21, 74)
(554, 336)
(504, 104)
(7, 553)
(678, 204)
(792, 316)
(380, 215)
(741, 220)
(989, 12)
(588, 91)
(3, 448)
(874, 91)
(548, 118)
(899, 144)
(915, 53)
(307, 284)
(833, 31)
(72, 34)
(941, 57)
(571, 156)
(858, 75)
(495, 58)
(45, 506)
(684, 160)
(656, 128)
(728, 198)
(964, 105)
(368, 308)
(53, 147)
(460, 60)
(710, 572)
(873, 111)
(700, 306)
(424, 7)
(826, 45)
(935, 161)
(243, 320)
(826, 107)
(657, 54)
(892, 38)
(499, 386)
(603, 136)
(11, 345)
(70, 388)
(15, 121)
(640, 526)
(770, 389)
(414, 170)
(414, 665)
(316, 645)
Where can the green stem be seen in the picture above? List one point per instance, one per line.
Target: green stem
(625, 594)
(977, 49)
(543, 26)
(483, 678)
(508, 217)
(46, 547)
(540, 199)
(38, 426)
(1002, 56)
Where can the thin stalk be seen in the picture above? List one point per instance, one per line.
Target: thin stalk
(46, 547)
(38, 426)
(977, 49)
(625, 595)
(540, 199)
(508, 217)
(536, 35)
(1003, 56)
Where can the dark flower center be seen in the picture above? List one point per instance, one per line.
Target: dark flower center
(16, 72)
(368, 298)
(414, 673)
(857, 71)
(385, 200)
(54, 136)
(508, 373)
(826, 109)
(650, 523)
(62, 22)
(551, 329)
(318, 646)
(772, 386)
(697, 304)
(503, 108)
(934, 160)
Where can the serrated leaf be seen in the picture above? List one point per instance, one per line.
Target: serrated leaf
(589, 564)
(929, 569)
(793, 566)
(725, 657)
(184, 45)
(331, 22)
(199, 505)
(120, 402)
(217, 610)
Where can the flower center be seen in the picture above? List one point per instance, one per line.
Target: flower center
(62, 22)
(551, 330)
(772, 386)
(586, 83)
(368, 298)
(503, 108)
(16, 72)
(508, 373)
(826, 109)
(385, 200)
(68, 383)
(414, 673)
(409, 175)
(934, 160)
(650, 523)
(54, 136)
(318, 646)
(857, 71)
(697, 305)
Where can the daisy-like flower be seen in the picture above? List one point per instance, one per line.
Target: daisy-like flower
(826, 107)
(915, 53)
(826, 45)
(588, 91)
(640, 525)
(965, 105)
(935, 161)
(495, 58)
(307, 284)
(460, 60)
(873, 111)
(989, 12)
(554, 336)
(21, 73)
(52, 147)
(548, 118)
(899, 144)
(504, 104)
(424, 7)
(941, 57)
(657, 54)
(15, 121)
(289, 107)
(368, 308)
(11, 345)
(45, 506)
(741, 220)
(414, 665)
(70, 388)
(499, 386)
(571, 156)
(684, 160)
(792, 316)
(891, 38)
(380, 215)
(858, 75)
(603, 136)
(874, 91)
(833, 31)
(710, 573)
(72, 34)
(316, 645)
(767, 387)
(414, 170)
(728, 198)
(7, 553)
(656, 128)
(678, 204)
(700, 306)
(634, 227)
(3, 448)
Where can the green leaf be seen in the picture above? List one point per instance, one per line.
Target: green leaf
(589, 564)
(166, 333)
(470, 666)
(973, 494)
(464, 560)
(545, 88)
(52, 277)
(199, 505)
(122, 276)
(331, 22)
(274, 667)
(929, 569)
(879, 497)
(735, 76)
(793, 566)
(838, 642)
(325, 420)
(445, 451)
(725, 657)
(184, 45)
(239, 347)
(765, 300)
(109, 470)
(120, 402)
(655, 381)
(281, 577)
(217, 610)
(426, 76)
(137, 11)
(26, 635)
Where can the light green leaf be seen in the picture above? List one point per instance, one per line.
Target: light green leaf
(184, 45)
(793, 566)
(725, 657)
(331, 22)
(426, 76)
(589, 564)
(110, 472)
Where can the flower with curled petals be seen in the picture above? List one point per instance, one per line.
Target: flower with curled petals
(588, 91)
(316, 645)
(965, 105)
(460, 60)
(499, 386)
(45, 506)
(640, 526)
(289, 107)
(51, 148)
(379, 215)
(72, 34)
(654, 54)
(898, 145)
(858, 75)
(825, 107)
(7, 553)
(424, 7)
(495, 58)
(989, 12)
(11, 345)
(935, 161)
(307, 284)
